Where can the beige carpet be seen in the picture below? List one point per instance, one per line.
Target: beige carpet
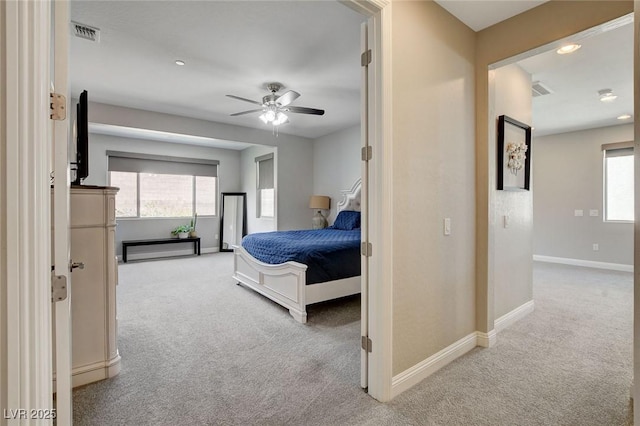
(199, 350)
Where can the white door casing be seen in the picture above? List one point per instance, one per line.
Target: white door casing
(60, 212)
(636, 255)
(377, 187)
(364, 267)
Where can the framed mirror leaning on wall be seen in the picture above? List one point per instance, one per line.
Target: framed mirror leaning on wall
(233, 219)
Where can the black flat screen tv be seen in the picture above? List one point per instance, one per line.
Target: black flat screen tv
(82, 139)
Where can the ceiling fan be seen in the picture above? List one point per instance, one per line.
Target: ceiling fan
(274, 107)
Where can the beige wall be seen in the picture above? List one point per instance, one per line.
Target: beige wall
(433, 176)
(568, 176)
(513, 279)
(537, 27)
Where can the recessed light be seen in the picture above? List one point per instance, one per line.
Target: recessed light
(606, 95)
(624, 117)
(179, 62)
(569, 48)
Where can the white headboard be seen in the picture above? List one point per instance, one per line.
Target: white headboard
(351, 197)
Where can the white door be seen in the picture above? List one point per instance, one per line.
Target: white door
(60, 215)
(364, 197)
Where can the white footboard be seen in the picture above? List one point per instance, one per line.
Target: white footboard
(283, 283)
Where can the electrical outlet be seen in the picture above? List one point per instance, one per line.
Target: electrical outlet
(447, 226)
(593, 213)
(578, 213)
(596, 247)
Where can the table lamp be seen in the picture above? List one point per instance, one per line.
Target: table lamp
(319, 203)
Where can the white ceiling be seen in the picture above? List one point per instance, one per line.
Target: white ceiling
(312, 47)
(480, 14)
(604, 61)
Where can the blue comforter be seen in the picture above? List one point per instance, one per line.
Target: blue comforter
(330, 254)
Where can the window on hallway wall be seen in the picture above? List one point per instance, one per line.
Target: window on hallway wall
(154, 186)
(618, 182)
(265, 188)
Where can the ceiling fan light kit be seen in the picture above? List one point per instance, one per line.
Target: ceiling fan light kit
(606, 95)
(275, 106)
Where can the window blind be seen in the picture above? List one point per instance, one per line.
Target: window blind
(617, 149)
(159, 164)
(265, 171)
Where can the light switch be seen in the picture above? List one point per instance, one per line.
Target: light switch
(578, 212)
(593, 212)
(506, 220)
(596, 247)
(447, 226)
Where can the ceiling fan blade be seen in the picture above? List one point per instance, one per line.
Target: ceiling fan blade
(304, 110)
(245, 112)
(244, 99)
(286, 98)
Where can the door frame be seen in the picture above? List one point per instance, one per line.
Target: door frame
(377, 208)
(25, 336)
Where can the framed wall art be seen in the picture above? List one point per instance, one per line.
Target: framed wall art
(514, 154)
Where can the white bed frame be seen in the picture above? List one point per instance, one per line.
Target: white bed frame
(285, 283)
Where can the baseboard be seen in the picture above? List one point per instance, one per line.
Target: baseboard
(414, 375)
(586, 263)
(161, 254)
(513, 316)
(486, 340)
(95, 372)
(424, 369)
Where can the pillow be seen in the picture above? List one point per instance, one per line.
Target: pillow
(347, 220)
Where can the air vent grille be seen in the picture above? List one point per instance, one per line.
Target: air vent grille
(86, 32)
(540, 89)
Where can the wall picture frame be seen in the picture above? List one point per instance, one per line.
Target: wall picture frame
(514, 155)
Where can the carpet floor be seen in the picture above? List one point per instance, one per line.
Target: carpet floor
(199, 350)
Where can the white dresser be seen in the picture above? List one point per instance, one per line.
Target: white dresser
(93, 289)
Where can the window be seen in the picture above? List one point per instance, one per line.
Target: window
(618, 182)
(266, 196)
(127, 197)
(165, 195)
(206, 195)
(155, 186)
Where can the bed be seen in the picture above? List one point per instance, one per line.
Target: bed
(294, 284)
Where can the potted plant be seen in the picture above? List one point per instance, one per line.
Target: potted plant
(192, 232)
(182, 231)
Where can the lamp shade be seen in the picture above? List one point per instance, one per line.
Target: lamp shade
(321, 202)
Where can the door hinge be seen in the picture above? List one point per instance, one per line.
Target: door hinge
(365, 58)
(367, 345)
(367, 153)
(57, 107)
(58, 288)
(366, 249)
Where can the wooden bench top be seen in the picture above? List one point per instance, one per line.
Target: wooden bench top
(150, 241)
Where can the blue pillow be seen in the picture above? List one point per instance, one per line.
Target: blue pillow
(347, 220)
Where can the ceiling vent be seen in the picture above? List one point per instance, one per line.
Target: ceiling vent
(540, 89)
(86, 32)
